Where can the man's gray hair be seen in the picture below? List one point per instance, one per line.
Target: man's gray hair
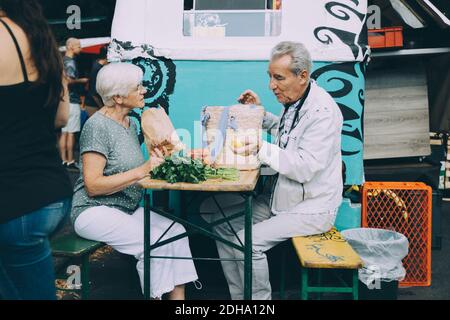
(301, 58)
(117, 79)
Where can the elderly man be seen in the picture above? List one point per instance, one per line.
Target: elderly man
(67, 138)
(307, 158)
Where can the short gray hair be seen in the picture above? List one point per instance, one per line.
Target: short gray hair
(301, 58)
(117, 79)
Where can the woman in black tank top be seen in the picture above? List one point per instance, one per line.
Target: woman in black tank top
(35, 190)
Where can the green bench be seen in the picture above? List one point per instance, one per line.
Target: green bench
(77, 250)
(326, 251)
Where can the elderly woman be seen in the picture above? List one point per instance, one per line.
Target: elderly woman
(106, 200)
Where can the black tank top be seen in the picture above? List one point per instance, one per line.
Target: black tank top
(31, 173)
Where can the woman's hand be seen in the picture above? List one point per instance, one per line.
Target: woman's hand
(201, 154)
(156, 159)
(249, 97)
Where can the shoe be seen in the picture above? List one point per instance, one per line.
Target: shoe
(71, 165)
(64, 164)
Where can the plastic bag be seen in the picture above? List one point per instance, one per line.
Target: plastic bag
(381, 251)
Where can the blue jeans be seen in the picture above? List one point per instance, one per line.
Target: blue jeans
(26, 263)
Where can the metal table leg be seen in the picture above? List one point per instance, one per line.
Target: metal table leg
(247, 241)
(248, 248)
(305, 286)
(85, 284)
(355, 283)
(146, 246)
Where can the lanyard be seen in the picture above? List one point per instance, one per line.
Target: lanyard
(298, 106)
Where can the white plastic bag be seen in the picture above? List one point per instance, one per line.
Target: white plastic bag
(381, 251)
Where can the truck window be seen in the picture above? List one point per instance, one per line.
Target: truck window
(232, 18)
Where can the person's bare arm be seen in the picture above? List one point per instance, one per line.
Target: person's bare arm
(97, 184)
(72, 81)
(62, 112)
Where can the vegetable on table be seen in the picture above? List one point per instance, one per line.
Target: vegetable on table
(184, 169)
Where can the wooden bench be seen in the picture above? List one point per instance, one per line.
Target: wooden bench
(328, 250)
(77, 249)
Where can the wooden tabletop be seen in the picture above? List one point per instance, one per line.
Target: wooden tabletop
(247, 182)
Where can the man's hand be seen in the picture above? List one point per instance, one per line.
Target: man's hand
(247, 145)
(249, 97)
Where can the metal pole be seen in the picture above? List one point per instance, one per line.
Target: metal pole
(355, 283)
(85, 285)
(146, 245)
(304, 287)
(248, 248)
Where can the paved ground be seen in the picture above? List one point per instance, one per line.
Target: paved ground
(113, 275)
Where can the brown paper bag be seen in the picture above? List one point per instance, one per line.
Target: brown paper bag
(159, 132)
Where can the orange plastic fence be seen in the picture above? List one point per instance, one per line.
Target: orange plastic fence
(404, 207)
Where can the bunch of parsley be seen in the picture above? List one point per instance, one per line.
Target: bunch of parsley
(180, 169)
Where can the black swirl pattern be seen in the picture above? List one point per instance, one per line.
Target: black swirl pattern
(348, 113)
(347, 68)
(362, 100)
(346, 89)
(356, 42)
(343, 73)
(159, 80)
(345, 36)
(343, 15)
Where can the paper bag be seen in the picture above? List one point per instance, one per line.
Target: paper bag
(159, 132)
(226, 126)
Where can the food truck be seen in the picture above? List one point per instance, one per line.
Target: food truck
(203, 52)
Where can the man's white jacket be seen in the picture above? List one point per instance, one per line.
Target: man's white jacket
(310, 167)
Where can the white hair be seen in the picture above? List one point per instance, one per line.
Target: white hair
(301, 58)
(117, 79)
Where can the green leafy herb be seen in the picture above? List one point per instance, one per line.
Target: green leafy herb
(184, 169)
(222, 173)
